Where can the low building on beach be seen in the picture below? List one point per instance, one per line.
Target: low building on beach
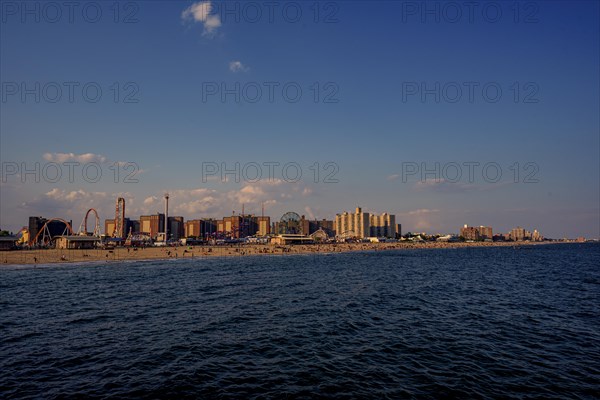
(77, 242)
(289, 238)
(8, 243)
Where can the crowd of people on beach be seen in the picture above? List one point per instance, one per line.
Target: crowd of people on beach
(44, 256)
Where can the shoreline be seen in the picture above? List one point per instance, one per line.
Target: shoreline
(70, 256)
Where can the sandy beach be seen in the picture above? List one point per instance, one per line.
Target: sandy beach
(50, 256)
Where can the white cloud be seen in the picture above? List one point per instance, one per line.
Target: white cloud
(422, 211)
(201, 12)
(205, 205)
(237, 66)
(251, 193)
(74, 195)
(445, 186)
(190, 203)
(130, 170)
(267, 192)
(72, 157)
(70, 205)
(150, 201)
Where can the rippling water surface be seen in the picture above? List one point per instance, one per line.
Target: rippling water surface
(480, 322)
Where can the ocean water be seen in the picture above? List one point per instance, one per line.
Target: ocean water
(463, 323)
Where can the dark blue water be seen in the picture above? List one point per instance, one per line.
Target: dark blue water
(470, 323)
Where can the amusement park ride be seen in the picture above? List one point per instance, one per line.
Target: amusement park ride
(132, 238)
(53, 228)
(45, 238)
(83, 227)
(119, 231)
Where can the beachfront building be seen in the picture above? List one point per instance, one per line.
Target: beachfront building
(8, 243)
(305, 226)
(537, 236)
(469, 233)
(325, 225)
(241, 226)
(291, 238)
(229, 226)
(77, 242)
(477, 233)
(355, 224)
(193, 228)
(109, 227)
(383, 225)
(130, 226)
(200, 228)
(486, 233)
(264, 225)
(152, 225)
(176, 227)
(517, 234)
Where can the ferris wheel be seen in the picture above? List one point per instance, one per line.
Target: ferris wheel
(290, 224)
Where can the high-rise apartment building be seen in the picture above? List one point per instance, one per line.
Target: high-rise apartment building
(383, 225)
(517, 234)
(477, 232)
(469, 233)
(486, 233)
(355, 224)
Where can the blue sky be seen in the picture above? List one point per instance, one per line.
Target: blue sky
(361, 56)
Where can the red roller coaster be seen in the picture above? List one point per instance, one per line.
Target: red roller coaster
(44, 237)
(83, 227)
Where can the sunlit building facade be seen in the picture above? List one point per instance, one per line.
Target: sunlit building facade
(355, 224)
(383, 225)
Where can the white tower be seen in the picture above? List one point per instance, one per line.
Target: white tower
(166, 217)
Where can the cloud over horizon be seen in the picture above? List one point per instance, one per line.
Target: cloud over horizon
(72, 157)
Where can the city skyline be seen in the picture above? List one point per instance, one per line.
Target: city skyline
(382, 104)
(357, 224)
(78, 202)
